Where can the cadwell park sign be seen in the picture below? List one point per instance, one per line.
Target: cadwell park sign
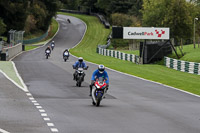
(145, 33)
(141, 33)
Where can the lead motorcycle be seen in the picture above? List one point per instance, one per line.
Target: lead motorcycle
(48, 52)
(99, 91)
(66, 55)
(80, 75)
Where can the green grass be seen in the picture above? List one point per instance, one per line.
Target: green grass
(7, 68)
(30, 47)
(190, 54)
(97, 34)
(135, 52)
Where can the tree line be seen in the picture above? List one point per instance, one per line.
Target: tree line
(28, 15)
(33, 15)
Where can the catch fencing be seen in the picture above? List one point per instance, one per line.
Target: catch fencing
(119, 55)
(184, 66)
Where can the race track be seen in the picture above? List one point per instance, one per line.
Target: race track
(132, 106)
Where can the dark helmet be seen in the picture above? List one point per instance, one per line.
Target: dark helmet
(80, 59)
(101, 68)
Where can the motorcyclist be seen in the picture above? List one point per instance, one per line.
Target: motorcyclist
(66, 52)
(100, 72)
(52, 45)
(48, 50)
(79, 64)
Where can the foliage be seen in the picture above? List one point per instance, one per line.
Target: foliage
(175, 14)
(116, 43)
(2, 27)
(28, 15)
(14, 13)
(119, 19)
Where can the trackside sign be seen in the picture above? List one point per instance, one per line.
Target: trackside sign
(145, 33)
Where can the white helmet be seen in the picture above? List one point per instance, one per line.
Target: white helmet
(101, 68)
(52, 41)
(80, 59)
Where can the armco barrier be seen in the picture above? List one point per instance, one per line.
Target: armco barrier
(35, 40)
(119, 55)
(184, 66)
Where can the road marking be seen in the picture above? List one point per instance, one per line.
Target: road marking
(34, 101)
(36, 104)
(54, 129)
(3, 131)
(28, 94)
(38, 107)
(50, 124)
(19, 77)
(43, 114)
(47, 119)
(31, 98)
(42, 110)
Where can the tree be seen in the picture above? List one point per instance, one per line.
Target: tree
(120, 19)
(14, 13)
(136, 8)
(175, 14)
(2, 27)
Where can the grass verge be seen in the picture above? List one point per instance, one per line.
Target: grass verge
(7, 68)
(97, 34)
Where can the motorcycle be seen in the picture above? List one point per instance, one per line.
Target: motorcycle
(65, 56)
(47, 53)
(68, 20)
(52, 46)
(98, 91)
(80, 76)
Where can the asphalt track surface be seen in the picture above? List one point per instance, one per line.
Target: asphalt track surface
(132, 106)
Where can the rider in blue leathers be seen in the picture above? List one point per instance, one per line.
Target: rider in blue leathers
(78, 64)
(100, 72)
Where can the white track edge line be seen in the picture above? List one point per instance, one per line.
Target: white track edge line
(3, 131)
(21, 80)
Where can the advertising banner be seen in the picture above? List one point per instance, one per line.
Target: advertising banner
(146, 33)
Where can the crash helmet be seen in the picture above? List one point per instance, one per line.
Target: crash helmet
(52, 41)
(101, 68)
(80, 59)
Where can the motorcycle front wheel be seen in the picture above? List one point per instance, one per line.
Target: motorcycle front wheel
(98, 99)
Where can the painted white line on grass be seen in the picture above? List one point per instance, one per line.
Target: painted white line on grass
(3, 131)
(12, 81)
(22, 82)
